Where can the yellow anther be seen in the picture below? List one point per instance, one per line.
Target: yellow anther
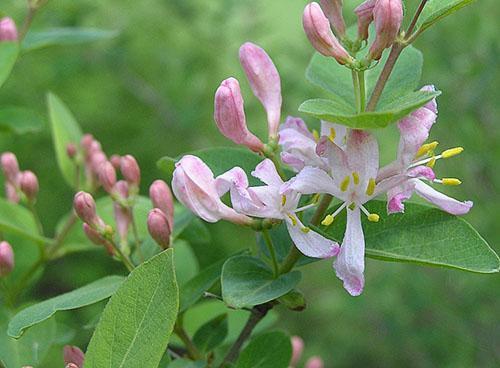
(293, 219)
(451, 181)
(315, 135)
(315, 198)
(452, 152)
(332, 135)
(345, 183)
(283, 200)
(432, 162)
(426, 148)
(352, 206)
(370, 189)
(373, 217)
(328, 220)
(355, 177)
(305, 230)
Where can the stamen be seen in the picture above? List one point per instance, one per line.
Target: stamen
(315, 198)
(305, 230)
(355, 177)
(370, 189)
(373, 217)
(332, 135)
(345, 183)
(293, 219)
(315, 135)
(328, 220)
(306, 207)
(452, 152)
(426, 148)
(352, 206)
(432, 162)
(283, 200)
(450, 181)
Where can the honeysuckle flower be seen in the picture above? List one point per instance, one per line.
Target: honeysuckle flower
(333, 11)
(315, 362)
(196, 188)
(161, 197)
(297, 349)
(417, 159)
(123, 214)
(267, 201)
(8, 29)
(387, 16)
(364, 12)
(6, 258)
(351, 178)
(319, 33)
(265, 82)
(130, 170)
(159, 227)
(28, 183)
(73, 355)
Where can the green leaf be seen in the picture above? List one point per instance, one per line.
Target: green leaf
(64, 36)
(185, 363)
(135, 326)
(31, 349)
(86, 295)
(294, 300)
(271, 350)
(211, 334)
(193, 290)
(423, 235)
(19, 120)
(65, 130)
(248, 281)
(15, 219)
(8, 56)
(435, 10)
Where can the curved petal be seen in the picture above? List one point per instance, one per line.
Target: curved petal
(339, 132)
(234, 177)
(350, 263)
(267, 173)
(362, 153)
(309, 242)
(312, 180)
(444, 202)
(399, 194)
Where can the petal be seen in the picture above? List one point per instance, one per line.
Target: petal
(309, 242)
(444, 202)
(350, 262)
(296, 124)
(422, 172)
(299, 146)
(362, 154)
(396, 196)
(340, 132)
(312, 180)
(234, 177)
(267, 173)
(336, 157)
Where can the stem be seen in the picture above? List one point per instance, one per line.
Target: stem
(135, 232)
(322, 207)
(59, 239)
(27, 22)
(362, 90)
(26, 278)
(31, 207)
(415, 17)
(257, 314)
(192, 350)
(125, 260)
(270, 247)
(357, 97)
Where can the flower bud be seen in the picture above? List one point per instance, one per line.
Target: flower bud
(73, 355)
(364, 13)
(71, 150)
(11, 193)
(107, 176)
(317, 28)
(86, 142)
(29, 185)
(95, 160)
(297, 349)
(264, 81)
(162, 198)
(159, 227)
(72, 365)
(388, 15)
(230, 116)
(85, 208)
(6, 259)
(333, 11)
(10, 167)
(130, 170)
(8, 30)
(115, 161)
(315, 362)
(93, 235)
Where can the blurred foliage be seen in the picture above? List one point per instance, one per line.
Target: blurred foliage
(149, 92)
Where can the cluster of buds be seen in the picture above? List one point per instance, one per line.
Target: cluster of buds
(161, 217)
(73, 356)
(18, 184)
(297, 350)
(6, 258)
(8, 30)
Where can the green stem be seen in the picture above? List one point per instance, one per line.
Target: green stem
(61, 236)
(192, 350)
(272, 252)
(125, 260)
(277, 163)
(135, 232)
(362, 90)
(355, 83)
(34, 213)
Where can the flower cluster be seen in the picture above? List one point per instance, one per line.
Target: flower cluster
(340, 162)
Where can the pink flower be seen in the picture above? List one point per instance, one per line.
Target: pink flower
(333, 11)
(159, 227)
(364, 12)
(73, 355)
(388, 15)
(161, 197)
(8, 30)
(130, 170)
(28, 182)
(297, 349)
(315, 362)
(6, 259)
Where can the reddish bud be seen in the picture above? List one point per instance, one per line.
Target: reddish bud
(85, 208)
(86, 141)
(6, 259)
(333, 11)
(29, 185)
(107, 176)
(116, 161)
(364, 13)
(73, 355)
(161, 197)
(130, 170)
(297, 349)
(11, 193)
(8, 30)
(159, 227)
(71, 365)
(93, 235)
(315, 362)
(71, 150)
(10, 167)
(319, 33)
(388, 15)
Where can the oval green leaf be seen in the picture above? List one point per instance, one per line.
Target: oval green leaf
(270, 350)
(136, 325)
(8, 56)
(20, 120)
(436, 10)
(212, 334)
(16, 219)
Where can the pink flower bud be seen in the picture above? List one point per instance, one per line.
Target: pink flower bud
(122, 189)
(315, 362)
(264, 81)
(6, 259)
(107, 176)
(85, 208)
(93, 235)
(116, 161)
(333, 11)
(73, 355)
(95, 160)
(130, 170)
(230, 116)
(297, 349)
(161, 197)
(364, 13)
(159, 227)
(71, 150)
(86, 142)
(11, 193)
(10, 167)
(71, 365)
(8, 30)
(388, 15)
(29, 185)
(317, 28)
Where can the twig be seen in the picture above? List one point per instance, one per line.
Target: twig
(192, 350)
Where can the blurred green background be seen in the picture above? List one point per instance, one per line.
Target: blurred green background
(149, 92)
